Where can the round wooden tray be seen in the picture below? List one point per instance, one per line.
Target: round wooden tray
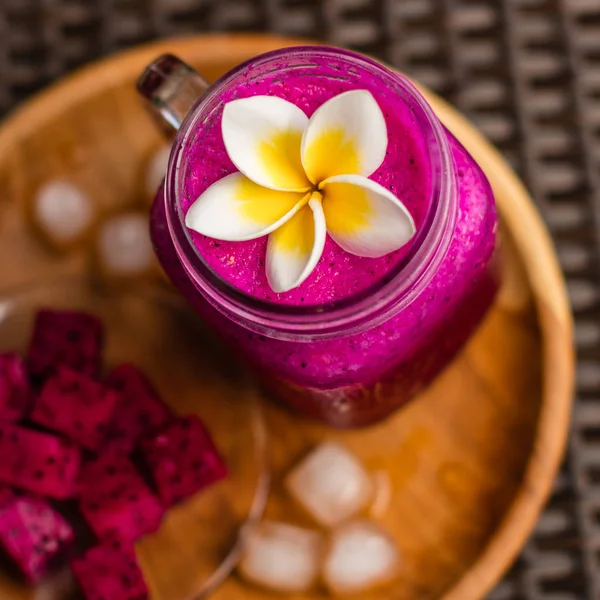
(471, 462)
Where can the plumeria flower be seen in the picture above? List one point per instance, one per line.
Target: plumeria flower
(300, 179)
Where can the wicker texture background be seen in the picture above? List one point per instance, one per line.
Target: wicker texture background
(527, 72)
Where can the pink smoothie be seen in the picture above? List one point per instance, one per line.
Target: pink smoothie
(356, 377)
(405, 171)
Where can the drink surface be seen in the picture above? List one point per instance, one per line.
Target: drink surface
(405, 172)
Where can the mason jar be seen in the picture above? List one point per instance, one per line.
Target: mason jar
(352, 361)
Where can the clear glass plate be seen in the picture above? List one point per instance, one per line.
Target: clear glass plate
(198, 543)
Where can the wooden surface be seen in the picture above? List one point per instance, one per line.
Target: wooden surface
(471, 462)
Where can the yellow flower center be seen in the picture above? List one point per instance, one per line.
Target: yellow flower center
(332, 152)
(297, 235)
(281, 152)
(346, 207)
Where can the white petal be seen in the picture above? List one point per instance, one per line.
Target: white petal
(294, 249)
(236, 209)
(331, 484)
(347, 134)
(262, 136)
(363, 217)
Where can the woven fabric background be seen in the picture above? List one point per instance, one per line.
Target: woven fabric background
(527, 72)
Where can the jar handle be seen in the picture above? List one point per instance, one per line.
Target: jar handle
(172, 87)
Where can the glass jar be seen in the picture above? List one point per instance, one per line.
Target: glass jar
(354, 361)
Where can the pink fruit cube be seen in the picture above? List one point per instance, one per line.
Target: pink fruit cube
(110, 572)
(115, 500)
(15, 390)
(41, 463)
(69, 338)
(183, 460)
(77, 406)
(140, 411)
(34, 536)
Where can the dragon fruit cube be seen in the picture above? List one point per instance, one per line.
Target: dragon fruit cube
(109, 572)
(41, 463)
(15, 390)
(182, 460)
(77, 406)
(34, 536)
(140, 412)
(115, 500)
(69, 338)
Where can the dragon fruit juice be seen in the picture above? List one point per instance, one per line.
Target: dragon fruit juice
(360, 336)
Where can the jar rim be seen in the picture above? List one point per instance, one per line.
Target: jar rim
(350, 314)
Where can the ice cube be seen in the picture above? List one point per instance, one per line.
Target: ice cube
(156, 169)
(382, 493)
(62, 212)
(282, 557)
(331, 484)
(124, 245)
(360, 556)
